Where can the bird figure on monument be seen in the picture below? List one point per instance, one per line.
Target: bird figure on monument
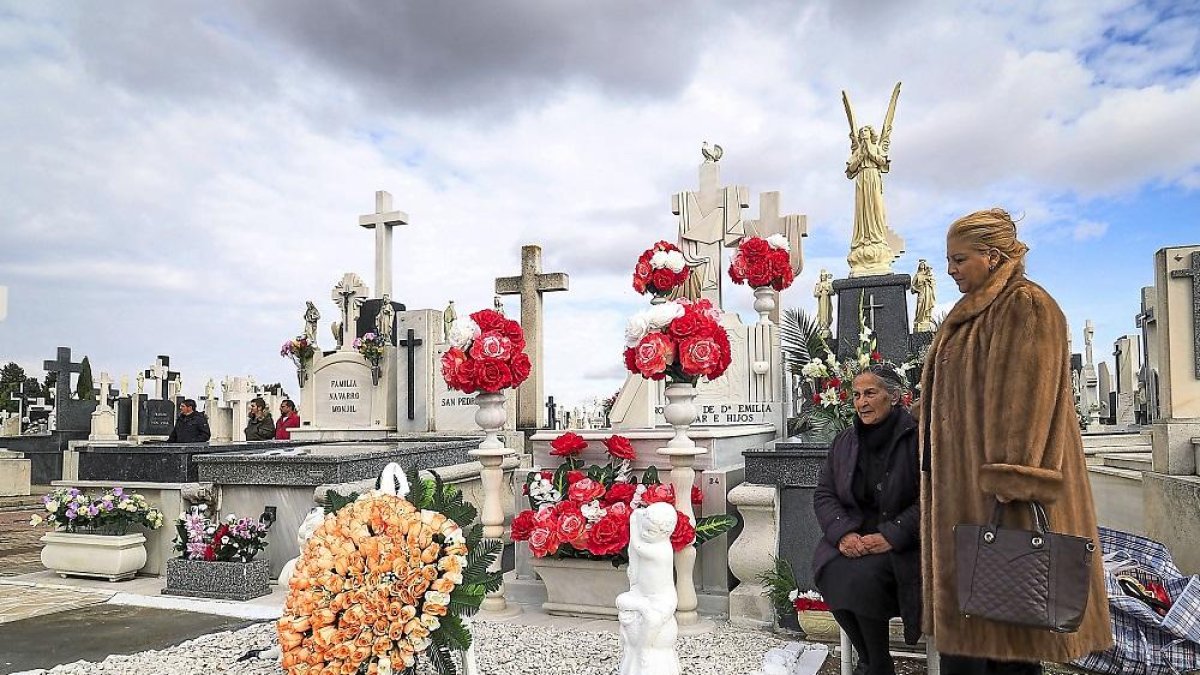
(713, 155)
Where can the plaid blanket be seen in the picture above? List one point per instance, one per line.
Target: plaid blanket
(1146, 643)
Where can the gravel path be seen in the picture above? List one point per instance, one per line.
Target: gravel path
(503, 649)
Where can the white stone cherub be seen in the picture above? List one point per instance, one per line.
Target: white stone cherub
(647, 610)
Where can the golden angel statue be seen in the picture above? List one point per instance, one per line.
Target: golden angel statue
(871, 246)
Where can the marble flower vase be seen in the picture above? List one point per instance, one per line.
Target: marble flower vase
(218, 580)
(580, 587)
(104, 556)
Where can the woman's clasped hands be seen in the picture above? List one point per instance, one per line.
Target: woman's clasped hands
(854, 545)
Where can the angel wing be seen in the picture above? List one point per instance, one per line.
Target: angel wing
(885, 138)
(850, 118)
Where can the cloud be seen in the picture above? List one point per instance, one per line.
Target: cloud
(193, 174)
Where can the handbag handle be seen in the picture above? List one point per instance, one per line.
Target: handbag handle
(1040, 523)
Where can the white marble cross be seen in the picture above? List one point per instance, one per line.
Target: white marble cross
(349, 295)
(530, 286)
(793, 227)
(158, 373)
(709, 219)
(382, 221)
(105, 385)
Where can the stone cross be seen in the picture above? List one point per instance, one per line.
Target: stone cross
(105, 385)
(551, 410)
(160, 374)
(1089, 334)
(63, 367)
(709, 219)
(530, 286)
(1194, 273)
(871, 307)
(382, 221)
(410, 343)
(19, 397)
(793, 227)
(349, 295)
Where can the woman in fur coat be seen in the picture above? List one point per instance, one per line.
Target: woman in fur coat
(998, 422)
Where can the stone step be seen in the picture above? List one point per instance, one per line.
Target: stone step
(1114, 472)
(1116, 440)
(1134, 461)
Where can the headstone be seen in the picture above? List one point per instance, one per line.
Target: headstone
(418, 333)
(530, 286)
(156, 417)
(343, 393)
(710, 219)
(104, 419)
(1126, 352)
(880, 302)
(1148, 379)
(1105, 388)
(15, 474)
(124, 409)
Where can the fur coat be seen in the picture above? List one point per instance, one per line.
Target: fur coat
(997, 417)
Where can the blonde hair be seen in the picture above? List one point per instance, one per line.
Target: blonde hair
(991, 229)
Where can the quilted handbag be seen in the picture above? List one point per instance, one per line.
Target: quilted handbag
(1032, 578)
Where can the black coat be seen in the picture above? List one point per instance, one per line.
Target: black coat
(899, 510)
(190, 429)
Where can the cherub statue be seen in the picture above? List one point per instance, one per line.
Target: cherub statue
(647, 610)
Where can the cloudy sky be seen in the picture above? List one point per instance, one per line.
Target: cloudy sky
(180, 177)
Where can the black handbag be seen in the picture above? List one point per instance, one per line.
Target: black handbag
(1033, 578)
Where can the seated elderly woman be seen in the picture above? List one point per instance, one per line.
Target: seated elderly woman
(867, 564)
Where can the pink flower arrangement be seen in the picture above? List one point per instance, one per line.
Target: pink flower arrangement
(681, 340)
(660, 269)
(486, 354)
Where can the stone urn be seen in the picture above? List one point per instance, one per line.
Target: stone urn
(579, 587)
(105, 556)
(819, 626)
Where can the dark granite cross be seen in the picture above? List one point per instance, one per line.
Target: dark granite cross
(20, 398)
(551, 409)
(1194, 273)
(63, 368)
(871, 307)
(410, 344)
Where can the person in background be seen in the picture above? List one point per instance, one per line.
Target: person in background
(260, 427)
(288, 419)
(191, 426)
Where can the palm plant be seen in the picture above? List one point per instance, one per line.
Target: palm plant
(800, 339)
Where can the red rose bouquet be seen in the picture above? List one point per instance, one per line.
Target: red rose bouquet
(681, 340)
(660, 270)
(578, 512)
(486, 354)
(763, 262)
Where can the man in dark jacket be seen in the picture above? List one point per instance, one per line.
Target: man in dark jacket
(190, 426)
(260, 427)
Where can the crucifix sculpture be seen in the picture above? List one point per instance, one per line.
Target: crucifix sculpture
(709, 219)
(530, 286)
(1194, 273)
(105, 390)
(349, 295)
(382, 221)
